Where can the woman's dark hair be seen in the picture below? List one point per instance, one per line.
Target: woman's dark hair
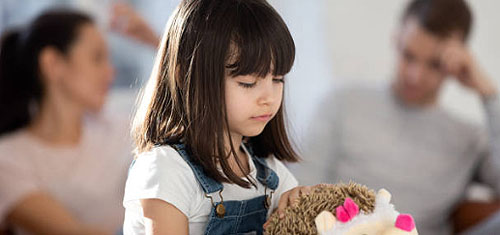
(441, 17)
(184, 100)
(21, 86)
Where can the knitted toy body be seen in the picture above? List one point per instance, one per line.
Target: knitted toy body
(348, 209)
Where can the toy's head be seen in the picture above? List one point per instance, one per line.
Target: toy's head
(350, 209)
(384, 220)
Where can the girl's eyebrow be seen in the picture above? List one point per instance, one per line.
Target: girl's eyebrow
(245, 77)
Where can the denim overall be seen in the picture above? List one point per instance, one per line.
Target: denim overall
(235, 217)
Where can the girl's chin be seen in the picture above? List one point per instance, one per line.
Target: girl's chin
(252, 133)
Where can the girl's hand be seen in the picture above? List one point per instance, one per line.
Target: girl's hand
(290, 198)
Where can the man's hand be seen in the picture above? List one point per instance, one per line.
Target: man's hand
(457, 61)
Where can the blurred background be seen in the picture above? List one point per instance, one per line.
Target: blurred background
(338, 42)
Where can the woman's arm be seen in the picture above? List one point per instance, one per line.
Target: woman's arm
(128, 22)
(161, 217)
(39, 213)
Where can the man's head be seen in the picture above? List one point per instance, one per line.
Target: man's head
(426, 27)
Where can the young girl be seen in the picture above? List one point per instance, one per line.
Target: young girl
(210, 129)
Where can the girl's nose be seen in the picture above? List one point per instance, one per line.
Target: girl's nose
(267, 91)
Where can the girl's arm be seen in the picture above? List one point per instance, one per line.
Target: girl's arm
(39, 213)
(161, 217)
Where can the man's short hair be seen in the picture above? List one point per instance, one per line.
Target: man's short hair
(442, 18)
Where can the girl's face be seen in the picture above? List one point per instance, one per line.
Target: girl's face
(88, 72)
(251, 102)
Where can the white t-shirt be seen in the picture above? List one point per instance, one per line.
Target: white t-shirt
(163, 174)
(86, 179)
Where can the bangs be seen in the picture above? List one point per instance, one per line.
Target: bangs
(260, 42)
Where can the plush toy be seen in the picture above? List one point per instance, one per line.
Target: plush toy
(343, 209)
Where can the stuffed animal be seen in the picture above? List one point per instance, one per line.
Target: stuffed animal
(343, 209)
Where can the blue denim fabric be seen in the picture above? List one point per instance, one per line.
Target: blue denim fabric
(241, 217)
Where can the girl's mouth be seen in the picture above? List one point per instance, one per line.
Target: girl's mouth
(262, 118)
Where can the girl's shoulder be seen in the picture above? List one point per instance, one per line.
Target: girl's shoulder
(162, 166)
(161, 173)
(162, 157)
(287, 179)
(275, 164)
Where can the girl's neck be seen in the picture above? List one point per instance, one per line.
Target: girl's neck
(240, 155)
(57, 123)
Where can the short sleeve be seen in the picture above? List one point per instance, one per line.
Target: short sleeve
(160, 174)
(17, 180)
(286, 179)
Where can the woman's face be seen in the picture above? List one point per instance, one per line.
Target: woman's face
(88, 72)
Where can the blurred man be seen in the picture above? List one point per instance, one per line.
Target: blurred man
(397, 137)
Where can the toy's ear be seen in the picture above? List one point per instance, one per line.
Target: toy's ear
(383, 196)
(405, 222)
(325, 221)
(404, 225)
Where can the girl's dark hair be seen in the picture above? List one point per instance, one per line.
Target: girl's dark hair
(184, 100)
(21, 86)
(441, 17)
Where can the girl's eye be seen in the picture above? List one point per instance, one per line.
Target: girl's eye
(278, 80)
(246, 85)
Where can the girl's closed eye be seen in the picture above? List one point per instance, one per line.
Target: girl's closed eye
(247, 85)
(246, 81)
(279, 80)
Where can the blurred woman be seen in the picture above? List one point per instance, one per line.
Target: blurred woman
(63, 163)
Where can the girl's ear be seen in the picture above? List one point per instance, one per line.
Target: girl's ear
(52, 65)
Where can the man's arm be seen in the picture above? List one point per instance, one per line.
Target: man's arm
(470, 213)
(459, 62)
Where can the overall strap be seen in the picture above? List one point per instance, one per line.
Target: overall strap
(208, 184)
(265, 175)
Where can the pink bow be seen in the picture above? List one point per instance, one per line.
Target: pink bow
(346, 212)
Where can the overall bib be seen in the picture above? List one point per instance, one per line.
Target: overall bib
(235, 217)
